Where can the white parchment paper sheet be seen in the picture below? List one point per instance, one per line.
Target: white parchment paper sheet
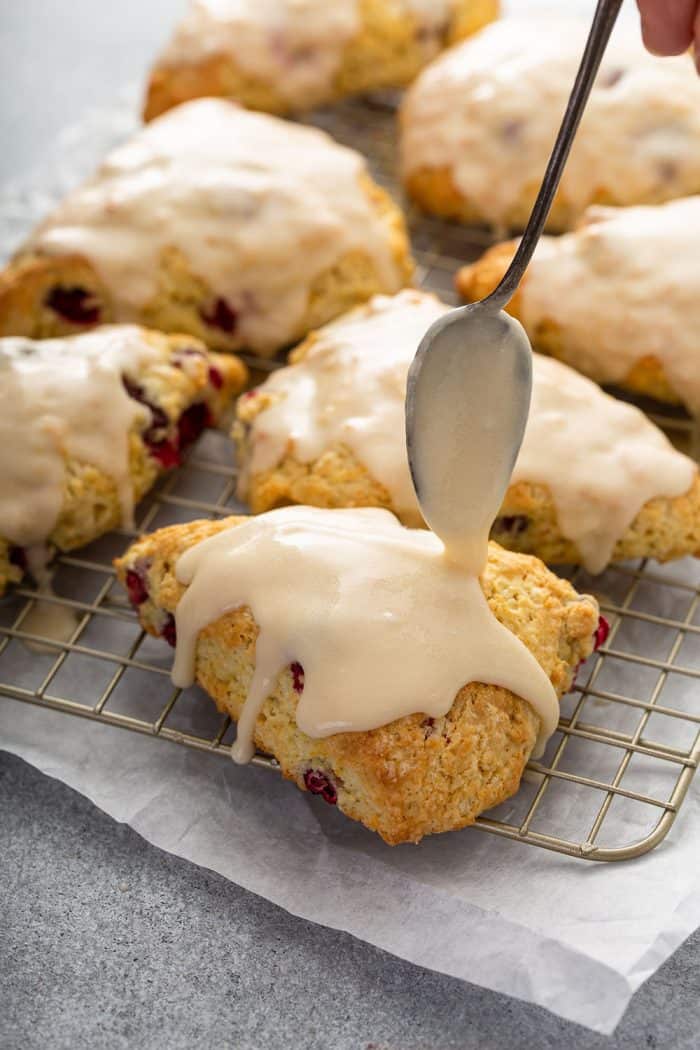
(575, 937)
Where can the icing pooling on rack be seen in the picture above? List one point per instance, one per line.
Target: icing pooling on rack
(600, 458)
(623, 287)
(259, 207)
(488, 110)
(383, 623)
(64, 399)
(295, 45)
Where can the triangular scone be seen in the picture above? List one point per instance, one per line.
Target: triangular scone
(478, 125)
(618, 298)
(416, 775)
(285, 56)
(87, 425)
(237, 227)
(595, 481)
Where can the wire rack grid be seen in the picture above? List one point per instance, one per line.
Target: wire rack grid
(615, 773)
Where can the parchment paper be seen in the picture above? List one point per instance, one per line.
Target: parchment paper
(576, 938)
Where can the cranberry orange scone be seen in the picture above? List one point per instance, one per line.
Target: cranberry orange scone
(478, 125)
(619, 298)
(339, 686)
(237, 227)
(87, 424)
(283, 55)
(595, 479)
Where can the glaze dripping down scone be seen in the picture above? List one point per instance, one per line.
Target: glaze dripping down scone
(618, 298)
(595, 479)
(282, 55)
(87, 425)
(239, 228)
(413, 775)
(478, 125)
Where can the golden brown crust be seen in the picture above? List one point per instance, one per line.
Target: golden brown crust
(434, 191)
(182, 299)
(647, 378)
(415, 776)
(91, 505)
(386, 53)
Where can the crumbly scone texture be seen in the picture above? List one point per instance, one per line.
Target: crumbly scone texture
(417, 775)
(663, 529)
(387, 52)
(475, 281)
(434, 191)
(183, 301)
(91, 504)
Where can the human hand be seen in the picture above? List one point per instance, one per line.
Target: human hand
(669, 27)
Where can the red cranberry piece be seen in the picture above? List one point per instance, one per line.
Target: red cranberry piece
(18, 558)
(610, 77)
(513, 524)
(166, 453)
(220, 315)
(168, 630)
(74, 304)
(602, 632)
(297, 677)
(319, 783)
(136, 585)
(192, 422)
(215, 378)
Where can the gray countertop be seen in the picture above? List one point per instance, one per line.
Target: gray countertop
(105, 940)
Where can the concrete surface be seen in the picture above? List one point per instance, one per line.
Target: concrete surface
(106, 942)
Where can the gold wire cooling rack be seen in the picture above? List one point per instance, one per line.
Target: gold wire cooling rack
(620, 764)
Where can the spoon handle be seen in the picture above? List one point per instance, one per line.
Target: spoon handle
(601, 28)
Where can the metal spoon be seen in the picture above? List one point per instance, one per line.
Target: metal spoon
(475, 362)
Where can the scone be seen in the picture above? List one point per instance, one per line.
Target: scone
(284, 56)
(478, 125)
(87, 424)
(618, 299)
(239, 228)
(595, 479)
(409, 776)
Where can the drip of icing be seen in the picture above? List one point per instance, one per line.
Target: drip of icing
(600, 458)
(623, 287)
(60, 400)
(488, 111)
(296, 45)
(382, 622)
(259, 207)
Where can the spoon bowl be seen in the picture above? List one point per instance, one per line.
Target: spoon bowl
(476, 364)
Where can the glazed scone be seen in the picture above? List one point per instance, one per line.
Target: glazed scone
(87, 424)
(618, 298)
(239, 228)
(595, 479)
(414, 775)
(283, 55)
(478, 125)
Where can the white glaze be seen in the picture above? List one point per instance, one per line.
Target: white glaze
(295, 45)
(64, 399)
(382, 622)
(489, 109)
(624, 286)
(259, 207)
(601, 459)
